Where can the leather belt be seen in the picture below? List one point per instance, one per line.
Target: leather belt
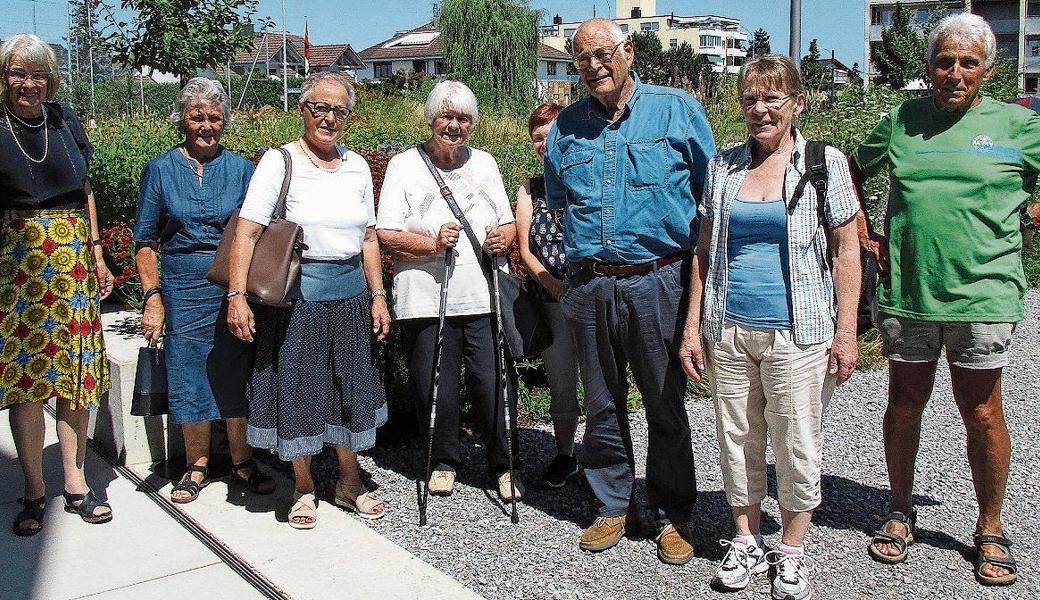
(625, 270)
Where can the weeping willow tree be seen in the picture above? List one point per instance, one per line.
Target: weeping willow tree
(492, 46)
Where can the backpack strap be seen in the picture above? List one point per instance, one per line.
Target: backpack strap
(815, 174)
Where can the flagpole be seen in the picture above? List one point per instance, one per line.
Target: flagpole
(285, 60)
(306, 47)
(90, 54)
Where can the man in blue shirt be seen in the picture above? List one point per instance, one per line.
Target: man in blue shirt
(627, 165)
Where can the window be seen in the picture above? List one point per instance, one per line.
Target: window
(438, 67)
(550, 68)
(569, 33)
(624, 28)
(1032, 45)
(383, 70)
(1033, 9)
(882, 16)
(649, 26)
(673, 43)
(710, 41)
(921, 15)
(1031, 84)
(419, 66)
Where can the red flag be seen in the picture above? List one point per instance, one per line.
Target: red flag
(306, 42)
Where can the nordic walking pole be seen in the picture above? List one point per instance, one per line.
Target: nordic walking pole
(503, 387)
(449, 266)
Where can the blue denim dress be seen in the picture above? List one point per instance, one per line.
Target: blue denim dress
(207, 367)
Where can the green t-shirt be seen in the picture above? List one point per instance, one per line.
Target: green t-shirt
(958, 182)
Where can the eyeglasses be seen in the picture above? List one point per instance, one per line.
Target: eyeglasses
(20, 75)
(320, 110)
(771, 102)
(602, 55)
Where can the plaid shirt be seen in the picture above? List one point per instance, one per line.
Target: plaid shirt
(813, 302)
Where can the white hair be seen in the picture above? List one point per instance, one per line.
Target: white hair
(612, 28)
(200, 91)
(964, 26)
(35, 52)
(451, 95)
(331, 76)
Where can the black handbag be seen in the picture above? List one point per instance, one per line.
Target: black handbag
(150, 393)
(524, 325)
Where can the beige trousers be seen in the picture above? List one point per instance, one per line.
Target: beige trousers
(765, 384)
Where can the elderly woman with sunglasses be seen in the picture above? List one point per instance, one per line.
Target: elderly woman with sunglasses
(779, 322)
(52, 279)
(316, 378)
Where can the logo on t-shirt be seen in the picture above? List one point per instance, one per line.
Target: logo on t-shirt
(982, 143)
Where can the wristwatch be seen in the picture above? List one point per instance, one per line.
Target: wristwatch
(379, 292)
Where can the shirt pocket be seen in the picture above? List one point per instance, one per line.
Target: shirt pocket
(576, 171)
(649, 164)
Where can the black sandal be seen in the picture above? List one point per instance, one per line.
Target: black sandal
(33, 512)
(257, 482)
(1005, 561)
(187, 484)
(882, 536)
(85, 509)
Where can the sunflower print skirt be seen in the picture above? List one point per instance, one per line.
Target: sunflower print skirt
(50, 310)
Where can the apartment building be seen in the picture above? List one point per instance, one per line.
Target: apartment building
(721, 39)
(1015, 23)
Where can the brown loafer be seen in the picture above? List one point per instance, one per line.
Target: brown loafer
(673, 546)
(604, 533)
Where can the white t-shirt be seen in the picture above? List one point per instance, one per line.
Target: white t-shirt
(333, 206)
(411, 201)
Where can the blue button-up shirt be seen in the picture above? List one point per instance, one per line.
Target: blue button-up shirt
(629, 187)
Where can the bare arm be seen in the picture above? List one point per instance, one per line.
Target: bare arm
(105, 279)
(154, 319)
(847, 281)
(240, 316)
(404, 245)
(524, 214)
(691, 352)
(869, 240)
(373, 265)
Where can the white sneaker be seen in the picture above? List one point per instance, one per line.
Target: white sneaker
(740, 563)
(792, 575)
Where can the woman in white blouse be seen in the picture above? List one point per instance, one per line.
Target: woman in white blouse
(416, 225)
(317, 379)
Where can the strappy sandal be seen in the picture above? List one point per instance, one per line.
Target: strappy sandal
(1005, 561)
(85, 509)
(364, 503)
(32, 513)
(187, 484)
(257, 482)
(305, 507)
(883, 536)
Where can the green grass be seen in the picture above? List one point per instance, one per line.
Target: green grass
(1031, 261)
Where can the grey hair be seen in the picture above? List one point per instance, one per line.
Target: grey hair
(612, 28)
(34, 51)
(964, 26)
(331, 76)
(451, 95)
(200, 91)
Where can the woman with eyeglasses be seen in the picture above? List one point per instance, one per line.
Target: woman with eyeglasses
(778, 320)
(187, 196)
(52, 280)
(316, 378)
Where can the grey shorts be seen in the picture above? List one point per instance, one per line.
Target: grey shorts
(968, 345)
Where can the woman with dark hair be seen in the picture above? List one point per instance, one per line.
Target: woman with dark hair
(540, 236)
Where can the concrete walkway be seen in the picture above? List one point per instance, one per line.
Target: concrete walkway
(144, 554)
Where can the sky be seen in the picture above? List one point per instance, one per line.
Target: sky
(838, 24)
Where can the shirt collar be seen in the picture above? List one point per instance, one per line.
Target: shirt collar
(594, 109)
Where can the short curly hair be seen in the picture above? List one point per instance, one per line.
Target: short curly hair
(34, 51)
(200, 91)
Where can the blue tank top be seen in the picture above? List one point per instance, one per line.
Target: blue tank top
(758, 292)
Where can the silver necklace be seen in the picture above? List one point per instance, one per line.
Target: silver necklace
(43, 120)
(46, 139)
(310, 157)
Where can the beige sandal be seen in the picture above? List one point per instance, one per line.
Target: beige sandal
(364, 503)
(304, 513)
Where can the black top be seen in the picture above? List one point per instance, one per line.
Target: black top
(55, 183)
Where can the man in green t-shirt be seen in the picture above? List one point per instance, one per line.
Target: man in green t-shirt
(961, 168)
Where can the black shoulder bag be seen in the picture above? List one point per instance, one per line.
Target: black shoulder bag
(816, 175)
(524, 326)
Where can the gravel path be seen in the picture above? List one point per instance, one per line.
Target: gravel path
(471, 538)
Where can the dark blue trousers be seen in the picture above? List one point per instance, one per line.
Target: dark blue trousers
(633, 321)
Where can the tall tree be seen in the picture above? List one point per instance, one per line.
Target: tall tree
(86, 33)
(684, 66)
(178, 36)
(900, 57)
(650, 58)
(492, 45)
(760, 43)
(815, 76)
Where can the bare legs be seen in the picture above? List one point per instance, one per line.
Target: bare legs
(197, 445)
(349, 473)
(978, 396)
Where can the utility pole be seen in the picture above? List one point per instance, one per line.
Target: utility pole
(796, 32)
(285, 60)
(34, 16)
(90, 54)
(68, 55)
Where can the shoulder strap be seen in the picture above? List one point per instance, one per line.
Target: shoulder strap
(815, 174)
(283, 194)
(449, 197)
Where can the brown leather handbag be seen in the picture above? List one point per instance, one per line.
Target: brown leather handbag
(276, 256)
